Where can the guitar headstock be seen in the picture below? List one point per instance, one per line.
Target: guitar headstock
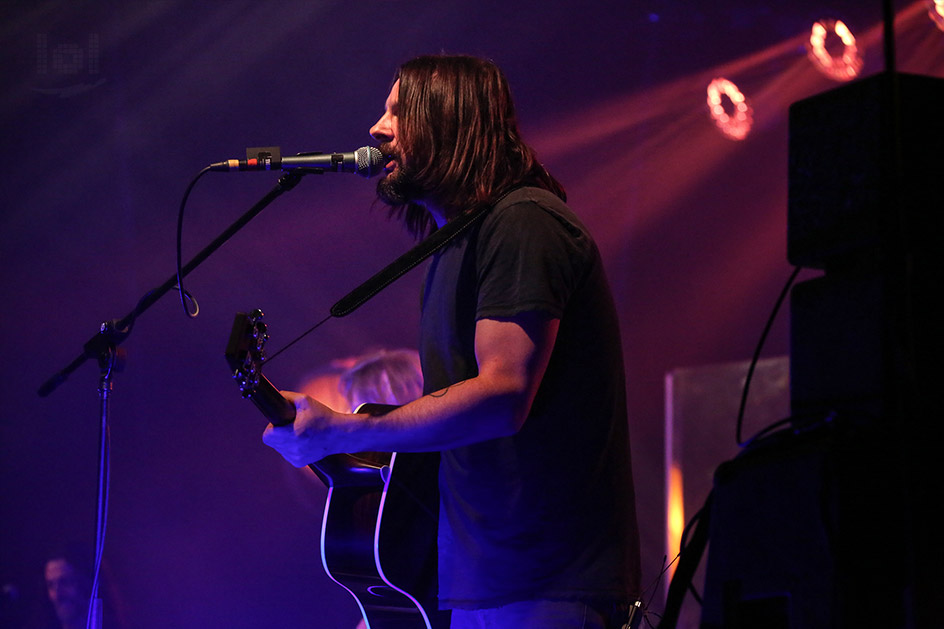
(245, 353)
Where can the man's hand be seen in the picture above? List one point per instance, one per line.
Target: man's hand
(307, 439)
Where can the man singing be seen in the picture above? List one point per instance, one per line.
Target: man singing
(522, 362)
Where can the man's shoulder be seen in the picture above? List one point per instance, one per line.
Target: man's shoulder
(527, 207)
(530, 195)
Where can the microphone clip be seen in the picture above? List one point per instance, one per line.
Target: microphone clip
(262, 157)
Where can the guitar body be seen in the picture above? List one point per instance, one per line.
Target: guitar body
(378, 541)
(378, 535)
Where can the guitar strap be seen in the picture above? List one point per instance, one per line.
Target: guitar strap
(396, 269)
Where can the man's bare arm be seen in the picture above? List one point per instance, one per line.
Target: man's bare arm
(512, 355)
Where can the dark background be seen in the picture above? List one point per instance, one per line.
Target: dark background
(110, 108)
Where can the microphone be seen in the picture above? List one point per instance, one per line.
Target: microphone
(366, 161)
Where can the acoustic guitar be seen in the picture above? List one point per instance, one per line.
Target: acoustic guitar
(378, 536)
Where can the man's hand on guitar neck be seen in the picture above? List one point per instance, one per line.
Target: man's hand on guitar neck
(305, 440)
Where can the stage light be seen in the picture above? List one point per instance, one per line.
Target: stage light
(936, 12)
(843, 67)
(675, 513)
(735, 120)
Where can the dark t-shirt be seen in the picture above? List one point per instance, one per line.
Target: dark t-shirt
(549, 512)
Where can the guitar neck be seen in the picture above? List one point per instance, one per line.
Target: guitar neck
(273, 405)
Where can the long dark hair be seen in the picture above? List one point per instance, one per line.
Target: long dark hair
(458, 126)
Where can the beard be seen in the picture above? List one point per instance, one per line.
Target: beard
(399, 186)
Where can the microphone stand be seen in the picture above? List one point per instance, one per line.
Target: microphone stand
(108, 364)
(103, 347)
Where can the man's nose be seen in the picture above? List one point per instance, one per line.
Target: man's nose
(381, 131)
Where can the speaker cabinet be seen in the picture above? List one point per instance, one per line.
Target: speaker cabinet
(831, 523)
(862, 180)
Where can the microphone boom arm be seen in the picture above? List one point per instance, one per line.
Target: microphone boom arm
(113, 333)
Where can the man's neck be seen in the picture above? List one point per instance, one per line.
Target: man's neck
(440, 215)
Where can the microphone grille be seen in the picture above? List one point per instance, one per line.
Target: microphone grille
(369, 161)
